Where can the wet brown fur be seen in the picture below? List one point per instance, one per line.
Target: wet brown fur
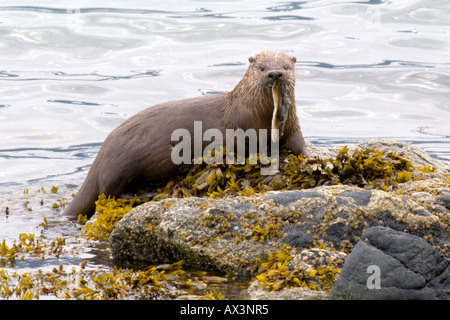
(138, 152)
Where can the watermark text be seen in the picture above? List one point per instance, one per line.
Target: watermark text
(238, 145)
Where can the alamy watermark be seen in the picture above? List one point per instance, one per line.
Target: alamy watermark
(374, 280)
(248, 143)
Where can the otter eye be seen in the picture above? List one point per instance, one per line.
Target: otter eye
(286, 68)
(262, 69)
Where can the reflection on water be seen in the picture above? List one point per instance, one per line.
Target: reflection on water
(70, 74)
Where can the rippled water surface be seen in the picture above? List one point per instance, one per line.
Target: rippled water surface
(71, 72)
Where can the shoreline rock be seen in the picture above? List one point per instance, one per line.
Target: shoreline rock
(407, 267)
(235, 235)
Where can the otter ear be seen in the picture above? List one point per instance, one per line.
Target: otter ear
(251, 59)
(294, 59)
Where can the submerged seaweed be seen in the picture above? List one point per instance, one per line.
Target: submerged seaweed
(151, 282)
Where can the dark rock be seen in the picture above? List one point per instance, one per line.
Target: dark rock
(286, 198)
(445, 200)
(412, 251)
(362, 198)
(337, 232)
(296, 237)
(409, 268)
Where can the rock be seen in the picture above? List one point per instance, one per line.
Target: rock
(406, 231)
(444, 200)
(297, 293)
(408, 268)
(234, 235)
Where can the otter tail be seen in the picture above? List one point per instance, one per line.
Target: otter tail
(84, 201)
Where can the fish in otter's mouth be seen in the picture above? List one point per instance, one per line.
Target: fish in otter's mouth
(281, 101)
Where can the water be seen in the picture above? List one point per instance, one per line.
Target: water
(71, 72)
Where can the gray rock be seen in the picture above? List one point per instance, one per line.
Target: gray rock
(401, 228)
(409, 268)
(362, 198)
(234, 235)
(444, 200)
(297, 293)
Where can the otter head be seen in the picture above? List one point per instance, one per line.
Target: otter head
(268, 67)
(275, 70)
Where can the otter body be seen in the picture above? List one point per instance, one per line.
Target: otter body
(138, 152)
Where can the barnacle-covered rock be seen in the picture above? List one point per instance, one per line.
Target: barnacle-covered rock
(234, 235)
(231, 219)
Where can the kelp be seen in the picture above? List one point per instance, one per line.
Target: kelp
(29, 246)
(370, 169)
(109, 211)
(151, 282)
(275, 273)
(81, 283)
(364, 168)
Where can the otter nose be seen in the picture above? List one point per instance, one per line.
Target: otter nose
(275, 75)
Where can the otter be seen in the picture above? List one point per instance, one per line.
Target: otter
(138, 151)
